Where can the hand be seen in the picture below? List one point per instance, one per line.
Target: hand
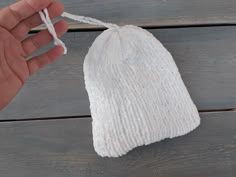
(15, 23)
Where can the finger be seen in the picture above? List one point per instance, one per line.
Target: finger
(55, 9)
(43, 60)
(12, 15)
(41, 39)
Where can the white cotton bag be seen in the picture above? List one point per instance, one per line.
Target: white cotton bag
(137, 96)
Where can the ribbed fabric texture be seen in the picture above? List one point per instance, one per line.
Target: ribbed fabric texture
(136, 93)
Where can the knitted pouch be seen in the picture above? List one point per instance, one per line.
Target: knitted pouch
(136, 93)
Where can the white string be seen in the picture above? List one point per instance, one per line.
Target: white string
(88, 20)
(47, 21)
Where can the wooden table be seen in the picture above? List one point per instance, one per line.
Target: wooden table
(46, 130)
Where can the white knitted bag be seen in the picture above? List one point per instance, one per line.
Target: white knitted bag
(136, 93)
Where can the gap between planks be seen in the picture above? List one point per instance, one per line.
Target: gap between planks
(89, 116)
(89, 28)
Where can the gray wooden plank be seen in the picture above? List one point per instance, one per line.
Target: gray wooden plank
(63, 148)
(206, 58)
(152, 12)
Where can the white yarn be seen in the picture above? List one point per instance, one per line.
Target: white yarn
(47, 21)
(137, 96)
(136, 93)
(88, 20)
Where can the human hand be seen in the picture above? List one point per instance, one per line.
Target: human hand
(15, 22)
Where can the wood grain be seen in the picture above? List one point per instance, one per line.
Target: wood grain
(63, 148)
(206, 58)
(152, 12)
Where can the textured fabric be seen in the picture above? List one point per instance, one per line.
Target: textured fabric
(136, 93)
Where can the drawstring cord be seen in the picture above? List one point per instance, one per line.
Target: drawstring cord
(88, 20)
(47, 21)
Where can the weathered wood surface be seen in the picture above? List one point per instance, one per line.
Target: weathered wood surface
(152, 12)
(206, 58)
(63, 148)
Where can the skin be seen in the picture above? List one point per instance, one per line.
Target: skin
(16, 21)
